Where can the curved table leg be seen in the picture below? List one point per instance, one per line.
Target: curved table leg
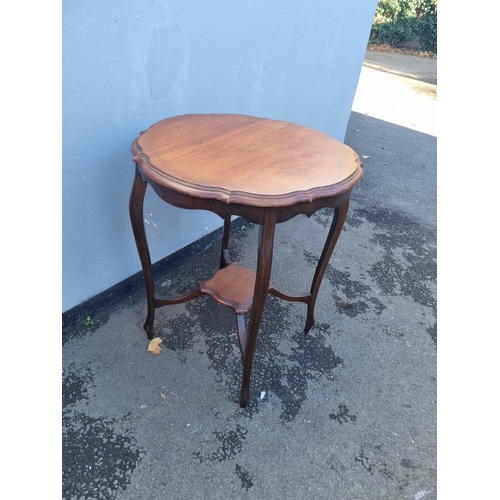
(263, 276)
(137, 219)
(335, 229)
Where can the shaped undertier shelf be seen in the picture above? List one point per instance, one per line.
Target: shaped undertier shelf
(232, 286)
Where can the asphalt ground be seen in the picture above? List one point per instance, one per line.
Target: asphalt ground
(346, 412)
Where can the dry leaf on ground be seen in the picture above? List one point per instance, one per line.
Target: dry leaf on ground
(154, 345)
(345, 305)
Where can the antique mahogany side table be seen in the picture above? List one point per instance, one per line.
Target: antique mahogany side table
(266, 171)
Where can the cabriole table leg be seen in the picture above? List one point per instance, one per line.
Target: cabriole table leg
(335, 229)
(263, 276)
(137, 219)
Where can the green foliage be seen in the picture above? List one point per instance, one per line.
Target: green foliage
(88, 321)
(396, 10)
(406, 23)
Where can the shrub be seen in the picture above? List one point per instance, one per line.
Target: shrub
(406, 23)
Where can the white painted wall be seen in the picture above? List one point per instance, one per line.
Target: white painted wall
(129, 64)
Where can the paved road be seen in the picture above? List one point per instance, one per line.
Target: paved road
(345, 413)
(418, 68)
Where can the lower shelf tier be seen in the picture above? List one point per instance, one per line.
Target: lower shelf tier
(232, 286)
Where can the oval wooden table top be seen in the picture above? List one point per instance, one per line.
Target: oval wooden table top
(245, 159)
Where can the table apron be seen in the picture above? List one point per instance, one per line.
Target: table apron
(254, 214)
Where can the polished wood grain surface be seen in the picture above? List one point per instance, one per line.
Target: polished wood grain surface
(232, 286)
(245, 159)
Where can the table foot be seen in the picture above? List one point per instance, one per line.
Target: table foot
(310, 320)
(244, 397)
(148, 324)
